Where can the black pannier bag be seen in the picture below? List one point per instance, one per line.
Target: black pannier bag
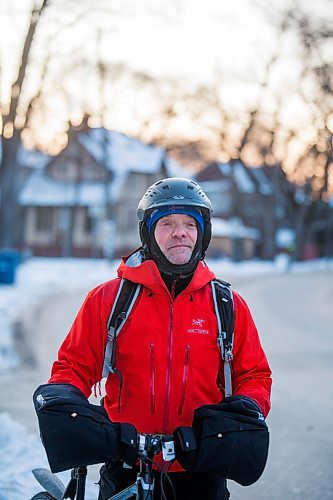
(230, 438)
(76, 433)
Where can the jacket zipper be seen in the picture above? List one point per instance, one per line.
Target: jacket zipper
(184, 382)
(169, 359)
(152, 379)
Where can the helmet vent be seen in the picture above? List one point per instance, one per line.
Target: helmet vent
(150, 193)
(166, 186)
(190, 187)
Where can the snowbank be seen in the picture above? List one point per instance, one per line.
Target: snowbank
(38, 279)
(20, 453)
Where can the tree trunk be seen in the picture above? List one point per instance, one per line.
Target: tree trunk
(10, 173)
(10, 185)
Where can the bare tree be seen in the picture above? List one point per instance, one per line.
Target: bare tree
(21, 110)
(10, 174)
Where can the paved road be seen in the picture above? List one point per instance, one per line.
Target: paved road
(294, 314)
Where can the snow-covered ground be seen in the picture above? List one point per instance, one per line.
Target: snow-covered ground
(20, 453)
(37, 280)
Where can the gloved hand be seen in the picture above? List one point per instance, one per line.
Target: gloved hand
(128, 443)
(77, 433)
(185, 447)
(230, 437)
(243, 405)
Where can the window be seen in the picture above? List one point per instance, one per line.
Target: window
(87, 222)
(92, 172)
(44, 219)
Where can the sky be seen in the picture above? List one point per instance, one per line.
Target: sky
(186, 40)
(179, 37)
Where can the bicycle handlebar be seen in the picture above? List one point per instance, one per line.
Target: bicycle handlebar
(150, 445)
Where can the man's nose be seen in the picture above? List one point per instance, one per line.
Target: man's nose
(178, 231)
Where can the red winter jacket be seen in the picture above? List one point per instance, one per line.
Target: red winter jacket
(167, 351)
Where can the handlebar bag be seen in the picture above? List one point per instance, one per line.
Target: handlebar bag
(76, 433)
(233, 439)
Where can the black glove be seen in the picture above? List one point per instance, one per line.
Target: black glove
(188, 439)
(185, 447)
(128, 443)
(230, 438)
(242, 405)
(77, 433)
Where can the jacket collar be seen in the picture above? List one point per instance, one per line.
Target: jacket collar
(145, 272)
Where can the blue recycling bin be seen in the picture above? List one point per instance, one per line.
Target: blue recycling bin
(9, 260)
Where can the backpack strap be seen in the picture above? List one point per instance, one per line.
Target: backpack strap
(224, 309)
(125, 299)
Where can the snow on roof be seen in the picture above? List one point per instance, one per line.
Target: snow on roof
(232, 229)
(239, 173)
(225, 169)
(32, 158)
(40, 190)
(121, 152)
(218, 186)
(243, 179)
(265, 186)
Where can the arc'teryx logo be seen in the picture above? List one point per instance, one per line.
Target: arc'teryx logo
(198, 322)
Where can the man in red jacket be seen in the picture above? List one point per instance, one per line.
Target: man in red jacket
(168, 360)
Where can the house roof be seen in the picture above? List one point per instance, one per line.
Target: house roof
(232, 229)
(242, 178)
(32, 158)
(247, 179)
(120, 153)
(218, 186)
(40, 190)
(264, 184)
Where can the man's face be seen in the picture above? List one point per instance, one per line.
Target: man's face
(176, 235)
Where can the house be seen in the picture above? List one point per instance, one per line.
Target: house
(83, 201)
(243, 194)
(230, 238)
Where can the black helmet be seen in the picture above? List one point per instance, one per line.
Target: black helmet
(175, 192)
